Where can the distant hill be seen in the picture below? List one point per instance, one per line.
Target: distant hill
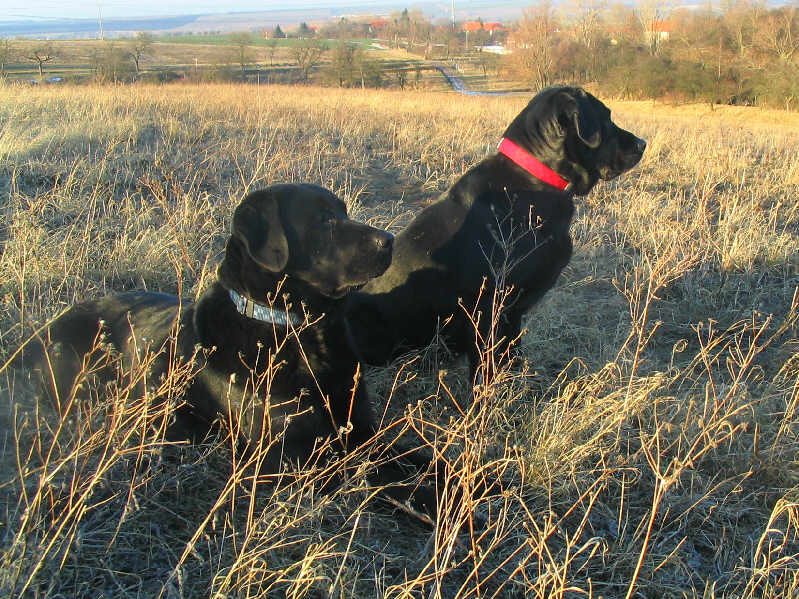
(80, 28)
(89, 27)
(238, 21)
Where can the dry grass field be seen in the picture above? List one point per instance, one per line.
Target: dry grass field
(644, 443)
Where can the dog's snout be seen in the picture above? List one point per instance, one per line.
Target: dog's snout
(640, 145)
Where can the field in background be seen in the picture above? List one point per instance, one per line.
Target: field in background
(645, 442)
(214, 58)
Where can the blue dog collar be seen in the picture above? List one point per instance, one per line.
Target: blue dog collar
(251, 309)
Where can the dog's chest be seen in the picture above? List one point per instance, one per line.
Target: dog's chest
(547, 213)
(528, 227)
(319, 361)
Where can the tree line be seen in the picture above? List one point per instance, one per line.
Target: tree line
(740, 53)
(114, 61)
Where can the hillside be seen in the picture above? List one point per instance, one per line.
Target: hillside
(645, 441)
(76, 23)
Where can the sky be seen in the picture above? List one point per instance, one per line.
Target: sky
(89, 9)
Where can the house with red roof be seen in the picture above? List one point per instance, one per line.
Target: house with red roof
(493, 27)
(658, 30)
(473, 26)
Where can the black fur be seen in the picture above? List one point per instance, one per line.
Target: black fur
(496, 218)
(299, 233)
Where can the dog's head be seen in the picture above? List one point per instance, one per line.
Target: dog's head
(302, 231)
(570, 131)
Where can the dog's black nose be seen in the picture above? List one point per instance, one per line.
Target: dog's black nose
(640, 145)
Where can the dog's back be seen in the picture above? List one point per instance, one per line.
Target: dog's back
(92, 341)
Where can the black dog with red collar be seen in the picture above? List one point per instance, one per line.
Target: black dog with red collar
(505, 224)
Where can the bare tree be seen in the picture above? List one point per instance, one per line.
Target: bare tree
(41, 54)
(533, 45)
(242, 51)
(271, 48)
(343, 63)
(418, 27)
(349, 66)
(777, 33)
(585, 17)
(307, 54)
(622, 23)
(402, 77)
(7, 53)
(140, 47)
(112, 63)
(486, 61)
(739, 21)
(651, 13)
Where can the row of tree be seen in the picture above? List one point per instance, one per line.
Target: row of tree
(113, 61)
(346, 64)
(122, 60)
(407, 29)
(741, 52)
(744, 53)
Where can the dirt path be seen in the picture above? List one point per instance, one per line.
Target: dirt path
(458, 85)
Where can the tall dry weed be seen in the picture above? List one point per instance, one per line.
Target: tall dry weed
(639, 440)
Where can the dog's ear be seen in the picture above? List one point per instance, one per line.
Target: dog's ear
(578, 110)
(256, 222)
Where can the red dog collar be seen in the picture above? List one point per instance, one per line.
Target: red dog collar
(533, 166)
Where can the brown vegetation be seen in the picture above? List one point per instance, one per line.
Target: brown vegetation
(744, 54)
(644, 441)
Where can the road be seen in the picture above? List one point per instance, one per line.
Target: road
(451, 75)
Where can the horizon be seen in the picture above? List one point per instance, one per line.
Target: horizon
(51, 10)
(84, 19)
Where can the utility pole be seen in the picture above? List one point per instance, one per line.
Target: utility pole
(453, 15)
(100, 18)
